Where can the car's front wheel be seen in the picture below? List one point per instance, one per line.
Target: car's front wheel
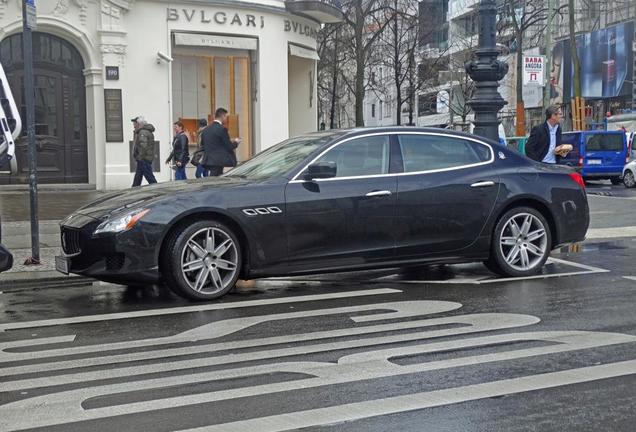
(521, 243)
(628, 179)
(202, 261)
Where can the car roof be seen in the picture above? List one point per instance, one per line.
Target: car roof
(352, 132)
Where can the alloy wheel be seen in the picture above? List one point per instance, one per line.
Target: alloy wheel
(629, 180)
(209, 260)
(523, 241)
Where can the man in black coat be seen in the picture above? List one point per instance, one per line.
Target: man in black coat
(546, 137)
(218, 147)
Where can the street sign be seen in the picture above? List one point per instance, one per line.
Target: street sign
(31, 20)
(112, 73)
(533, 70)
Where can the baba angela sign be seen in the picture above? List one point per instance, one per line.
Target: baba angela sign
(533, 70)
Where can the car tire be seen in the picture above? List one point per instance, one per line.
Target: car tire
(521, 243)
(615, 180)
(628, 179)
(202, 260)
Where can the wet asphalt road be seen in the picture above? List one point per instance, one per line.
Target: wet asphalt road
(432, 349)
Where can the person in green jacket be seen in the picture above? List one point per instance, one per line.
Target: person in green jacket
(143, 150)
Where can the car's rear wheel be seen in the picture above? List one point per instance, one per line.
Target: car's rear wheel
(628, 179)
(615, 180)
(521, 243)
(202, 261)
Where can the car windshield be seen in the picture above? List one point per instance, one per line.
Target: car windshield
(281, 158)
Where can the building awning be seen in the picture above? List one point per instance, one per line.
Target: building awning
(194, 39)
(298, 51)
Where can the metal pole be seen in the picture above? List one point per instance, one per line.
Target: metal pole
(29, 96)
(548, 56)
(486, 70)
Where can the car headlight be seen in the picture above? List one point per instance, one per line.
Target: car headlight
(122, 222)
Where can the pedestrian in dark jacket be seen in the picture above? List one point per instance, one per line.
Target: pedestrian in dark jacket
(546, 137)
(201, 171)
(143, 150)
(179, 156)
(218, 147)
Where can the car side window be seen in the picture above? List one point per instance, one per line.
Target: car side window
(434, 152)
(360, 157)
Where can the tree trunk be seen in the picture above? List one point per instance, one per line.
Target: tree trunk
(360, 63)
(334, 84)
(521, 110)
(397, 67)
(411, 97)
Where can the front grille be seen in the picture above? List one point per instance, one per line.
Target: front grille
(71, 241)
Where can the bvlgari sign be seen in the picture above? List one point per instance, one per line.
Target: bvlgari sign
(235, 19)
(192, 39)
(221, 18)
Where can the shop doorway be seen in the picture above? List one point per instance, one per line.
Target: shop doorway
(60, 109)
(204, 79)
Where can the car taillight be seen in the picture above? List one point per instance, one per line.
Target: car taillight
(581, 161)
(578, 179)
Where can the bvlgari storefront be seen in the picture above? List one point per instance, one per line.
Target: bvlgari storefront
(98, 64)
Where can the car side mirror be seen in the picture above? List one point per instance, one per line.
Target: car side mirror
(321, 170)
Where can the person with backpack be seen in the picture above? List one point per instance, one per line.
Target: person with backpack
(198, 155)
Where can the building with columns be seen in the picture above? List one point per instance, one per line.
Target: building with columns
(99, 63)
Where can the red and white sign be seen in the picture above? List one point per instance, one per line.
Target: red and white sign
(533, 70)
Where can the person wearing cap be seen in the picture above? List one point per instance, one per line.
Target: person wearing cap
(143, 150)
(201, 171)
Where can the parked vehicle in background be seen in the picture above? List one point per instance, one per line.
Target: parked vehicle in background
(597, 154)
(629, 173)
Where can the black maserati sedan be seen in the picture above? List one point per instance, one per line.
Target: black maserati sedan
(333, 201)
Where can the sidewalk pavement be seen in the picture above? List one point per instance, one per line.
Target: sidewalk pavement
(54, 205)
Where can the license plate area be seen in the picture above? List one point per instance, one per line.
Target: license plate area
(594, 161)
(62, 264)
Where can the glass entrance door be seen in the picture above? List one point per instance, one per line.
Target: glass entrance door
(231, 90)
(203, 83)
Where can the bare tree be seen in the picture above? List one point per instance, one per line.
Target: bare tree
(366, 21)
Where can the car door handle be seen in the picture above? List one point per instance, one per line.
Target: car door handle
(378, 193)
(482, 184)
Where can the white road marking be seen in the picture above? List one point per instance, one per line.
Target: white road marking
(215, 330)
(419, 401)
(194, 308)
(591, 195)
(478, 280)
(615, 232)
(66, 407)
(471, 324)
(630, 277)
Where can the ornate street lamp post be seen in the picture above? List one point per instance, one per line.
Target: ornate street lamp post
(486, 71)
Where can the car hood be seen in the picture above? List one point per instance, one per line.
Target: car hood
(121, 200)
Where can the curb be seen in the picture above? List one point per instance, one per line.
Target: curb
(45, 279)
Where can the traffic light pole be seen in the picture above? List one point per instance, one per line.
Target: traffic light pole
(28, 22)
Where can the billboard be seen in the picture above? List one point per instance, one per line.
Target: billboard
(606, 59)
(533, 70)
